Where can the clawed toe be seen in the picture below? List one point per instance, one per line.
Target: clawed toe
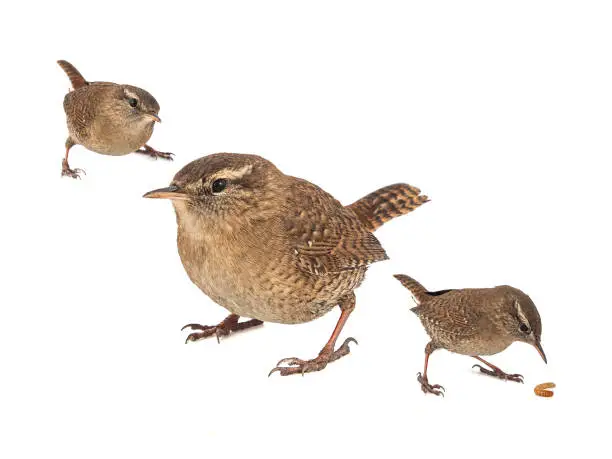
(74, 173)
(516, 377)
(159, 154)
(298, 366)
(207, 331)
(197, 327)
(168, 156)
(193, 337)
(497, 373)
(228, 325)
(427, 388)
(293, 365)
(344, 349)
(151, 152)
(290, 361)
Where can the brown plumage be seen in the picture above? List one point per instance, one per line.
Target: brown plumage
(475, 322)
(77, 80)
(108, 118)
(269, 246)
(389, 202)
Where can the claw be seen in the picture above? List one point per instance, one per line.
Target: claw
(152, 153)
(193, 337)
(284, 371)
(497, 373)
(349, 340)
(74, 173)
(295, 365)
(273, 370)
(229, 325)
(435, 389)
(289, 361)
(197, 327)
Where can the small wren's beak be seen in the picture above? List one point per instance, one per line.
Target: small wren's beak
(538, 346)
(171, 192)
(155, 117)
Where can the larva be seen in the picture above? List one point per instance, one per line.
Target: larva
(541, 391)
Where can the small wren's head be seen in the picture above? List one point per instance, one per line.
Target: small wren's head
(223, 188)
(522, 320)
(135, 105)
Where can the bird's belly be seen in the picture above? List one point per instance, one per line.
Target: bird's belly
(109, 139)
(269, 291)
(476, 346)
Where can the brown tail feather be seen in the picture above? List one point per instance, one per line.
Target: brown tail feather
(388, 202)
(75, 76)
(417, 290)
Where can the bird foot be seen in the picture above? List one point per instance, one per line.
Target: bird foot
(497, 373)
(153, 153)
(74, 173)
(295, 365)
(435, 389)
(230, 324)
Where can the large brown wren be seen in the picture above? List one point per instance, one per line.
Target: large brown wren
(108, 118)
(276, 248)
(475, 322)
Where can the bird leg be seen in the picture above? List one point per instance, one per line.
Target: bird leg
(496, 372)
(228, 325)
(327, 354)
(153, 153)
(422, 378)
(74, 173)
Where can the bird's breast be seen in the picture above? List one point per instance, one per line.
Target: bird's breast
(261, 281)
(110, 135)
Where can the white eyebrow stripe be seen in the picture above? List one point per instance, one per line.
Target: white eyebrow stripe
(129, 93)
(234, 174)
(520, 313)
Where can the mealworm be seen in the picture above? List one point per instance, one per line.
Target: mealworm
(541, 391)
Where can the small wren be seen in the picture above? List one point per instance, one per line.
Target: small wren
(108, 118)
(475, 322)
(276, 248)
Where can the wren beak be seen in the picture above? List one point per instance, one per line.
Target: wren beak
(538, 346)
(155, 117)
(171, 192)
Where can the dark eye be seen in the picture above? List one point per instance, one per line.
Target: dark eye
(219, 185)
(524, 328)
(133, 102)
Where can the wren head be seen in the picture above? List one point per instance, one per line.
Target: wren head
(521, 319)
(134, 105)
(223, 186)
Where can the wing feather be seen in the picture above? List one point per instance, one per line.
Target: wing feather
(325, 236)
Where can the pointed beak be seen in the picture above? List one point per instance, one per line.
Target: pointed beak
(171, 192)
(155, 117)
(538, 346)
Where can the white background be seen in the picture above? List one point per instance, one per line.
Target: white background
(499, 111)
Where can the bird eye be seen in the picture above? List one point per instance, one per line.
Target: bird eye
(219, 185)
(524, 328)
(133, 102)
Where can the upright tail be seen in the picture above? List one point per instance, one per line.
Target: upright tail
(388, 202)
(417, 290)
(75, 76)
